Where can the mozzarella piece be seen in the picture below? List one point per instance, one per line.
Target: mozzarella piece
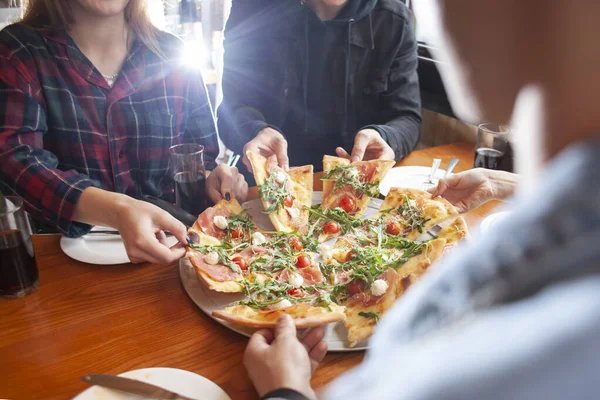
(352, 173)
(412, 203)
(211, 258)
(258, 239)
(293, 212)
(279, 177)
(326, 251)
(281, 304)
(379, 287)
(220, 222)
(295, 280)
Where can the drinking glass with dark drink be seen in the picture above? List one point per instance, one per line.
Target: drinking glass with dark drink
(189, 174)
(18, 270)
(493, 149)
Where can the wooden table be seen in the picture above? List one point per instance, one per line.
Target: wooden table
(111, 319)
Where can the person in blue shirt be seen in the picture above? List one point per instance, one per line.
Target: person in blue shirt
(514, 314)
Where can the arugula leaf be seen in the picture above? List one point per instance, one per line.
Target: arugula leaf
(273, 192)
(412, 216)
(241, 220)
(349, 175)
(346, 221)
(370, 315)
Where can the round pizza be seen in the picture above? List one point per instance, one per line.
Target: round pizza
(321, 263)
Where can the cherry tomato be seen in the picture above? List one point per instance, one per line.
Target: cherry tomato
(288, 201)
(296, 243)
(393, 228)
(238, 232)
(331, 227)
(303, 262)
(296, 292)
(348, 256)
(356, 286)
(348, 204)
(241, 262)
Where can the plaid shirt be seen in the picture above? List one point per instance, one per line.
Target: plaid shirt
(63, 129)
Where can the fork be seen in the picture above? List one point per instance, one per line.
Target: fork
(434, 167)
(451, 165)
(233, 160)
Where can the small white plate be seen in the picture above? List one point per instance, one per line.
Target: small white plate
(182, 382)
(208, 300)
(99, 249)
(491, 221)
(408, 177)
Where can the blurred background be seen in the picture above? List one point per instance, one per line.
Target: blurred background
(200, 24)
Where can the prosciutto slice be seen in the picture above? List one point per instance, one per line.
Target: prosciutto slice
(311, 275)
(217, 272)
(205, 220)
(367, 299)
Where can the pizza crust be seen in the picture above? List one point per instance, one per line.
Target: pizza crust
(304, 315)
(455, 232)
(416, 266)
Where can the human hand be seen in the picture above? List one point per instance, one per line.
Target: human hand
(368, 145)
(466, 190)
(278, 359)
(224, 182)
(141, 226)
(268, 142)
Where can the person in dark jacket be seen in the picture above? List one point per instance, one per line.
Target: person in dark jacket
(320, 77)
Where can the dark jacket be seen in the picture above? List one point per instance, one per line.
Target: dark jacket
(371, 78)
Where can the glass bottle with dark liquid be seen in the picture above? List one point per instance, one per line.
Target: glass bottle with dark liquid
(190, 192)
(18, 270)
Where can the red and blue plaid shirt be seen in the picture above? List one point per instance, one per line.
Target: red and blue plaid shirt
(63, 129)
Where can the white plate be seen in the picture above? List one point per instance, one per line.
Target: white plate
(491, 221)
(99, 249)
(208, 300)
(182, 382)
(408, 177)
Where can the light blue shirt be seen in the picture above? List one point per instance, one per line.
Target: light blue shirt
(513, 315)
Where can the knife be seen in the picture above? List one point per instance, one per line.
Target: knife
(434, 231)
(132, 386)
(177, 212)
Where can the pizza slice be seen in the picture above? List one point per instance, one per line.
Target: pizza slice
(305, 315)
(351, 186)
(285, 196)
(410, 212)
(293, 286)
(225, 221)
(225, 267)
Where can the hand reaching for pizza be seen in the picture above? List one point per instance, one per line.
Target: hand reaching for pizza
(368, 145)
(470, 189)
(269, 142)
(278, 359)
(140, 224)
(225, 182)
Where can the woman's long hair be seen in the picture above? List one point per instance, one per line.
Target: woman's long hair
(56, 14)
